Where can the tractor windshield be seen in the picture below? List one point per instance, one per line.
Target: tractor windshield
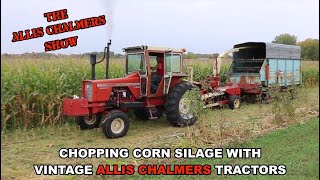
(136, 62)
(173, 63)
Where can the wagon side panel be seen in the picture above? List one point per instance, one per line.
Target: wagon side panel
(273, 69)
(297, 72)
(288, 75)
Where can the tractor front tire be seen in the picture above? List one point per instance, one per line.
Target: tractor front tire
(115, 125)
(89, 122)
(234, 102)
(143, 113)
(178, 111)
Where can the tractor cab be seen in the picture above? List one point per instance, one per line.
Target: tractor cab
(156, 66)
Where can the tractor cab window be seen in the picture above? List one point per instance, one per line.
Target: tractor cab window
(136, 62)
(173, 63)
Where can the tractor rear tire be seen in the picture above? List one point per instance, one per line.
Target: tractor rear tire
(178, 112)
(234, 102)
(143, 113)
(115, 124)
(89, 122)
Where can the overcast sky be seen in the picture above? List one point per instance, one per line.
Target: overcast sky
(202, 26)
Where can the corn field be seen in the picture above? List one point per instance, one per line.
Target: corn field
(32, 90)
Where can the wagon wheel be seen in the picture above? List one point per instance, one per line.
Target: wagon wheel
(234, 102)
(293, 93)
(265, 97)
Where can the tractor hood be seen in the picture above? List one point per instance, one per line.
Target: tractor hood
(100, 90)
(116, 82)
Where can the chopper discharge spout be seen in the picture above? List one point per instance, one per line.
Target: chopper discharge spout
(219, 59)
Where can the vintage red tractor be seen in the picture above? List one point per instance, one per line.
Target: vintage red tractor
(105, 102)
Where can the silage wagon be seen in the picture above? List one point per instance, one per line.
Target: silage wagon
(255, 68)
(266, 64)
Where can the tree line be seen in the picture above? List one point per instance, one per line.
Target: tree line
(44, 55)
(309, 47)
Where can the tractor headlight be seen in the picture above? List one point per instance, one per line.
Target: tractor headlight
(89, 90)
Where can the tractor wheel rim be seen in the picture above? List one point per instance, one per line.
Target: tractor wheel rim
(236, 103)
(117, 125)
(184, 109)
(90, 119)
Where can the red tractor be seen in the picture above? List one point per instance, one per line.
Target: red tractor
(105, 102)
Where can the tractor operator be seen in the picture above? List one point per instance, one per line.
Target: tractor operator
(156, 78)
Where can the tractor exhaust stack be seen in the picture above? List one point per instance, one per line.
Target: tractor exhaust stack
(108, 57)
(93, 61)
